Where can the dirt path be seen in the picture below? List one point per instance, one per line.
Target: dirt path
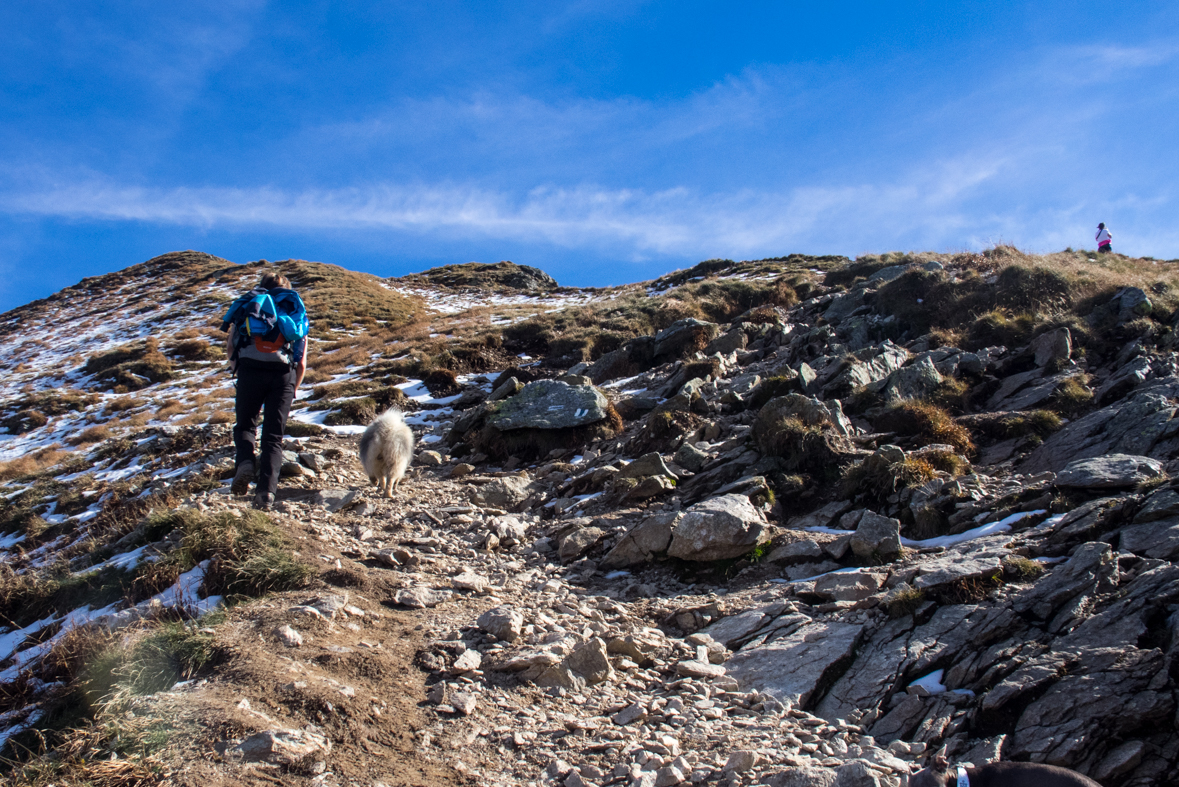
(353, 677)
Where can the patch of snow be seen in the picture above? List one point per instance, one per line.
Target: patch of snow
(932, 682)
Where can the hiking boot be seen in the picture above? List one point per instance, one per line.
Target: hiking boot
(242, 479)
(263, 502)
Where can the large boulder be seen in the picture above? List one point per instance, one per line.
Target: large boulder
(717, 529)
(1142, 424)
(642, 543)
(799, 664)
(913, 382)
(1131, 302)
(507, 492)
(866, 367)
(877, 538)
(637, 355)
(550, 404)
(683, 337)
(1115, 471)
(1052, 348)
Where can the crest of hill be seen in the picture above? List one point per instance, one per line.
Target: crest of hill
(338, 298)
(503, 276)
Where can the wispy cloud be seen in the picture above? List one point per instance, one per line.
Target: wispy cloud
(633, 222)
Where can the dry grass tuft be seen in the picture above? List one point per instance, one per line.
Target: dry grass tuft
(927, 424)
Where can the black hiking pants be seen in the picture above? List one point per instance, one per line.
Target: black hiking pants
(267, 390)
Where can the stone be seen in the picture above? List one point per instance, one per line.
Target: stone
(1162, 504)
(804, 776)
(690, 458)
(736, 627)
(467, 661)
(335, 499)
(1132, 302)
(969, 561)
(876, 538)
(643, 542)
(717, 529)
(795, 666)
(560, 676)
(281, 747)
(1052, 348)
(683, 336)
(429, 458)
(631, 714)
(289, 637)
(867, 366)
(849, 587)
(741, 761)
(695, 668)
(1142, 424)
(463, 702)
(508, 492)
(646, 465)
(295, 470)
(550, 404)
(421, 597)
(801, 551)
(503, 623)
(589, 660)
(860, 773)
(649, 487)
(1115, 471)
(509, 387)
(1157, 539)
(575, 544)
(912, 382)
(1092, 569)
(470, 580)
(460, 470)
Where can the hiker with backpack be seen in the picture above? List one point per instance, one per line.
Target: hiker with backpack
(267, 346)
(1104, 239)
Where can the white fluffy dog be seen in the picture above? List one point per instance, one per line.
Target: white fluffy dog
(385, 450)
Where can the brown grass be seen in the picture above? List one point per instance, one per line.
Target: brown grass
(32, 464)
(926, 423)
(93, 434)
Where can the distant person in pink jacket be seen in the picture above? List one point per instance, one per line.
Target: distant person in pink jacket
(1104, 239)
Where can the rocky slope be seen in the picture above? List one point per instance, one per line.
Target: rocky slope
(794, 521)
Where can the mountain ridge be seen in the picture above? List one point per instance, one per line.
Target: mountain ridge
(810, 519)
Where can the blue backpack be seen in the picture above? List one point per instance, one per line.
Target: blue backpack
(269, 321)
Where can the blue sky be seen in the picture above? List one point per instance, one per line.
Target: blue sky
(604, 142)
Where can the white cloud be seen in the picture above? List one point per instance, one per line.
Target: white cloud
(633, 222)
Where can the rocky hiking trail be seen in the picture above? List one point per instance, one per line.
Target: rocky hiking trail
(814, 525)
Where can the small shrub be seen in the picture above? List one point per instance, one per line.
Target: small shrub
(1021, 568)
(131, 366)
(999, 327)
(874, 479)
(947, 462)
(904, 601)
(93, 434)
(300, 429)
(353, 412)
(196, 350)
(442, 382)
(926, 423)
(1072, 397)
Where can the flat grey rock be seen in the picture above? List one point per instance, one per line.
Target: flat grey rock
(549, 404)
(1114, 471)
(795, 666)
(717, 529)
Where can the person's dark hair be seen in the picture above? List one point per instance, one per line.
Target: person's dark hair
(272, 280)
(1101, 226)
